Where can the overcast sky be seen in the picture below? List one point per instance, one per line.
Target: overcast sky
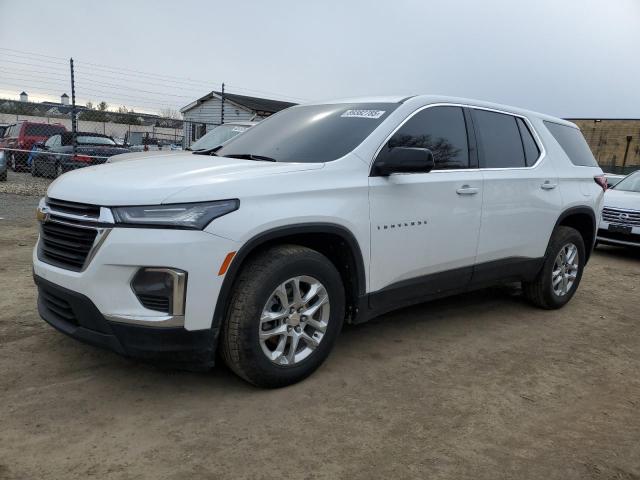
(571, 58)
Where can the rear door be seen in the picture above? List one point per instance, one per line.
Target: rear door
(521, 199)
(424, 226)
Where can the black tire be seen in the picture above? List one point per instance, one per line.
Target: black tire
(3, 176)
(262, 273)
(540, 292)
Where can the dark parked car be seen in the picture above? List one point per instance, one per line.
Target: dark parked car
(57, 156)
(21, 136)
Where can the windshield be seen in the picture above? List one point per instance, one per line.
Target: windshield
(313, 133)
(629, 184)
(90, 140)
(218, 136)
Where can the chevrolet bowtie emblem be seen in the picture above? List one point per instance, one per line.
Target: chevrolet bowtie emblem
(42, 214)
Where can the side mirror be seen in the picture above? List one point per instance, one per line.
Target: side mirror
(405, 160)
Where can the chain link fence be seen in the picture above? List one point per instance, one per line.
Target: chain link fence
(38, 147)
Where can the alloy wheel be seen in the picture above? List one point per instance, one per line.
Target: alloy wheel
(294, 320)
(565, 269)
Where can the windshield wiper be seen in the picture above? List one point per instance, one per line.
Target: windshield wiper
(251, 156)
(211, 151)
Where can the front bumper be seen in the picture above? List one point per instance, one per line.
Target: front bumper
(106, 279)
(616, 238)
(77, 316)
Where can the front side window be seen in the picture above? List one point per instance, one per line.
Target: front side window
(499, 141)
(310, 133)
(440, 129)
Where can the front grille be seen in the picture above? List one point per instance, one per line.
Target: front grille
(153, 302)
(621, 216)
(65, 245)
(82, 209)
(58, 306)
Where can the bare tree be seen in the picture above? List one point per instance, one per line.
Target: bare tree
(169, 113)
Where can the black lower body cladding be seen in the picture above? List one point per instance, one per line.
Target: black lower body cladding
(75, 315)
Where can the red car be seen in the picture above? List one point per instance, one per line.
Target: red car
(21, 136)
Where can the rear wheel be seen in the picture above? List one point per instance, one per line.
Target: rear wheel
(3, 176)
(284, 316)
(59, 170)
(560, 276)
(14, 164)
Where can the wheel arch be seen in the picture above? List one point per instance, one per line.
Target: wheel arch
(583, 219)
(334, 241)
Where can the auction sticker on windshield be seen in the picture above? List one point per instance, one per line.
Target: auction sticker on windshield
(363, 113)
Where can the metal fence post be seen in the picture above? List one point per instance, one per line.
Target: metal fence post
(74, 126)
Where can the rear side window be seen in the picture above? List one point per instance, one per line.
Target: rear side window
(38, 130)
(440, 129)
(499, 140)
(531, 150)
(573, 144)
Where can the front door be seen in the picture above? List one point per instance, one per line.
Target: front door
(424, 226)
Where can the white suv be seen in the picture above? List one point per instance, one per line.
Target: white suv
(321, 214)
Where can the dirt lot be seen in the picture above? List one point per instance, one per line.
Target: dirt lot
(478, 386)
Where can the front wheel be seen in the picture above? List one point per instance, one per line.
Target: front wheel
(561, 273)
(284, 317)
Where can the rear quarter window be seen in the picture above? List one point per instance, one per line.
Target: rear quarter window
(573, 144)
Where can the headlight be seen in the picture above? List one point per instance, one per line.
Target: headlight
(194, 216)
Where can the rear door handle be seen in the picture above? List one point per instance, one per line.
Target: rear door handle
(467, 190)
(547, 185)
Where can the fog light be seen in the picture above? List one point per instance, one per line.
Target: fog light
(161, 289)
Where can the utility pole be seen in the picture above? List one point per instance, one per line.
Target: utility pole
(74, 126)
(626, 152)
(222, 109)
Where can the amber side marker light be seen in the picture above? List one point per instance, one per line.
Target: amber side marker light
(225, 264)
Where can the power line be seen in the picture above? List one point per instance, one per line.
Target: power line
(137, 103)
(142, 73)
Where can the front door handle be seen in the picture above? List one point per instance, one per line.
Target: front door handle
(467, 190)
(547, 185)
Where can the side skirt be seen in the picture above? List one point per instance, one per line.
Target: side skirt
(444, 284)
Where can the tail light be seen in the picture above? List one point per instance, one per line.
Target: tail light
(602, 181)
(81, 158)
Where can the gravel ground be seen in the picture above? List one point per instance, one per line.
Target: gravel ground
(479, 386)
(22, 183)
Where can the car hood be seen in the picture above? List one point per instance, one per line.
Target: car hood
(154, 179)
(620, 199)
(142, 155)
